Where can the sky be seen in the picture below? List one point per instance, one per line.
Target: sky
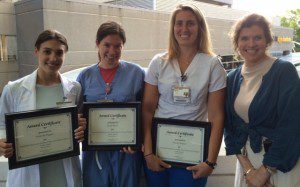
(269, 8)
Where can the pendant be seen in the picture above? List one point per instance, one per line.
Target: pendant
(107, 88)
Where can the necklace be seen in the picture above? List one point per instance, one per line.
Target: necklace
(107, 89)
(108, 76)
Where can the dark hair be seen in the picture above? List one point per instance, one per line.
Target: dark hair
(108, 28)
(249, 21)
(51, 35)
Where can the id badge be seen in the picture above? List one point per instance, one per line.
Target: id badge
(181, 94)
(67, 101)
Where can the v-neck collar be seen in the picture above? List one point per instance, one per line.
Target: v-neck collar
(175, 64)
(115, 79)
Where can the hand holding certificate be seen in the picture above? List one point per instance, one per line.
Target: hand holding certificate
(79, 132)
(41, 135)
(112, 126)
(6, 149)
(179, 142)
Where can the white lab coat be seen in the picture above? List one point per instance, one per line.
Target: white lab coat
(20, 95)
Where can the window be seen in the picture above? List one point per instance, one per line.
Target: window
(229, 62)
(2, 44)
(8, 48)
(11, 48)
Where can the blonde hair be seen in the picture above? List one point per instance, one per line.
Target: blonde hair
(203, 36)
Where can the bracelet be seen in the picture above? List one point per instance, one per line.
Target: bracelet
(210, 164)
(148, 155)
(269, 170)
(248, 171)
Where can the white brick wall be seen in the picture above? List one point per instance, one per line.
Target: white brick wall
(3, 171)
(8, 70)
(146, 30)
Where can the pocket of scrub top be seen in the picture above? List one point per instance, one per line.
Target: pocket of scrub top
(117, 97)
(93, 95)
(166, 91)
(199, 92)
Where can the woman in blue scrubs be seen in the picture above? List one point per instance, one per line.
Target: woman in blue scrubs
(111, 79)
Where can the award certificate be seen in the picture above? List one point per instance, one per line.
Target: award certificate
(180, 142)
(112, 125)
(42, 135)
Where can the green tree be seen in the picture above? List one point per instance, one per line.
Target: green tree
(292, 20)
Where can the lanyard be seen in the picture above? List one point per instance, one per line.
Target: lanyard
(183, 78)
(107, 89)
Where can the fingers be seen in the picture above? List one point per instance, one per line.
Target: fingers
(127, 150)
(131, 151)
(79, 132)
(9, 153)
(143, 148)
(194, 170)
(158, 168)
(81, 121)
(200, 170)
(155, 164)
(6, 149)
(80, 116)
(163, 164)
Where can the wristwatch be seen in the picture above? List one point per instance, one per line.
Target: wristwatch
(210, 164)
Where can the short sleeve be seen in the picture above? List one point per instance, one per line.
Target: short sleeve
(79, 78)
(217, 76)
(153, 71)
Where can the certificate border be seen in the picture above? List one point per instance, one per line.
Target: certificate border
(88, 105)
(11, 117)
(205, 125)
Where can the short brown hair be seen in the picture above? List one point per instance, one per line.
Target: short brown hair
(51, 35)
(109, 28)
(203, 38)
(249, 21)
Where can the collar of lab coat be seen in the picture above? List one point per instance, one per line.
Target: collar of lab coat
(30, 82)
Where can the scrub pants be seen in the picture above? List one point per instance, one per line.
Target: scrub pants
(111, 169)
(173, 177)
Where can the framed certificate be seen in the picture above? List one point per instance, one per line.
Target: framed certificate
(180, 143)
(41, 135)
(112, 125)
